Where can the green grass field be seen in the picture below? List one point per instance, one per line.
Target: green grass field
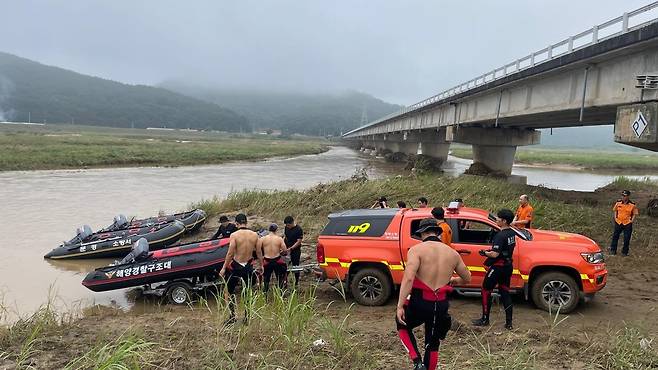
(588, 159)
(60, 147)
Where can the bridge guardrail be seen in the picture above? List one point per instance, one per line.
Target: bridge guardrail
(627, 22)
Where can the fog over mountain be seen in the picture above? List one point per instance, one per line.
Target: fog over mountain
(399, 52)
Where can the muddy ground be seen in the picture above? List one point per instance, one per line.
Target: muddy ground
(582, 340)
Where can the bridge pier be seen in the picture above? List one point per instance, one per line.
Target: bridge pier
(637, 125)
(493, 148)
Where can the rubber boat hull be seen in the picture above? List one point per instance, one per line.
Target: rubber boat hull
(191, 219)
(118, 243)
(186, 261)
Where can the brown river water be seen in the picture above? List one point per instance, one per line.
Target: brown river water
(43, 208)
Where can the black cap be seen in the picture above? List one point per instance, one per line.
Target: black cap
(273, 227)
(625, 193)
(241, 218)
(428, 224)
(459, 200)
(223, 219)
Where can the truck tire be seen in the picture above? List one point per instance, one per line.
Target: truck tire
(179, 293)
(553, 291)
(371, 287)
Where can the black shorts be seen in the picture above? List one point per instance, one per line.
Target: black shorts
(433, 314)
(236, 273)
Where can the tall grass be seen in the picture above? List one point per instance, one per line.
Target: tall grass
(553, 210)
(623, 182)
(627, 349)
(124, 353)
(25, 335)
(280, 333)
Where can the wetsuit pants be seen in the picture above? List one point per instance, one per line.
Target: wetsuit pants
(235, 274)
(434, 315)
(501, 276)
(295, 258)
(628, 231)
(275, 265)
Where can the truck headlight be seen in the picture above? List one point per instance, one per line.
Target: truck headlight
(595, 257)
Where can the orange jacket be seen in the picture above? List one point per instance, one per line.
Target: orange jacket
(624, 212)
(524, 213)
(446, 233)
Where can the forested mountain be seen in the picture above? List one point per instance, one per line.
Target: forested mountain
(311, 114)
(57, 95)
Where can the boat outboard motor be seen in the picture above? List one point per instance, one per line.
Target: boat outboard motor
(120, 222)
(83, 232)
(139, 252)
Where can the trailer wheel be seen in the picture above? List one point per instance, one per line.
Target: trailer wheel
(179, 293)
(370, 287)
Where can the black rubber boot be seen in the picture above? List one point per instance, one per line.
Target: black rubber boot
(418, 365)
(231, 320)
(508, 325)
(483, 321)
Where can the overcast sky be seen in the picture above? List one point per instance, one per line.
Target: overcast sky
(401, 51)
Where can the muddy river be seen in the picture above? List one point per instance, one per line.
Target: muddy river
(42, 208)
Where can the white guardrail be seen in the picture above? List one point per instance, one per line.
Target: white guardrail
(627, 22)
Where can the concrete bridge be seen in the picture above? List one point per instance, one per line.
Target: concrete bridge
(605, 75)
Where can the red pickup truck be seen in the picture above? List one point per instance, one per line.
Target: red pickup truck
(367, 249)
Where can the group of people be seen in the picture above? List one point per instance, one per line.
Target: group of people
(270, 250)
(432, 264)
(429, 276)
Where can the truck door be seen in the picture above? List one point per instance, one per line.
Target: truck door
(468, 238)
(407, 238)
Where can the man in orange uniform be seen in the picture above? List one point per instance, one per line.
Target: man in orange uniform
(523, 216)
(446, 230)
(625, 213)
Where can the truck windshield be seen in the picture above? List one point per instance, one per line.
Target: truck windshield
(525, 234)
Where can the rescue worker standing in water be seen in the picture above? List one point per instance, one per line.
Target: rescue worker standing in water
(625, 212)
(499, 269)
(424, 293)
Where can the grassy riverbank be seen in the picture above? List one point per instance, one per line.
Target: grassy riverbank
(61, 147)
(587, 159)
(608, 333)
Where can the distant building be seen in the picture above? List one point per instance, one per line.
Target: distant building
(270, 131)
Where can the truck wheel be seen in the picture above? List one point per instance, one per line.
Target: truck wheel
(370, 287)
(179, 293)
(553, 291)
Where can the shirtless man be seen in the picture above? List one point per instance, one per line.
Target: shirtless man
(423, 299)
(238, 261)
(273, 247)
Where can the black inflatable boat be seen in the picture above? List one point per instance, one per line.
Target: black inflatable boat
(142, 267)
(191, 219)
(87, 244)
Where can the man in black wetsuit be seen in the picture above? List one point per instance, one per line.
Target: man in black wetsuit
(238, 263)
(293, 235)
(423, 293)
(499, 269)
(225, 229)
